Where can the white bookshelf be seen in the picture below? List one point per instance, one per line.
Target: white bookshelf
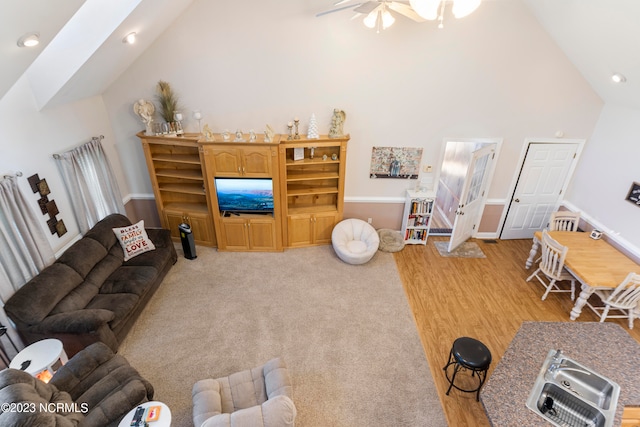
(416, 220)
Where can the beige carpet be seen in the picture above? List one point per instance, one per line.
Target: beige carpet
(346, 333)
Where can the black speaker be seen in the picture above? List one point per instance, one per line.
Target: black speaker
(188, 245)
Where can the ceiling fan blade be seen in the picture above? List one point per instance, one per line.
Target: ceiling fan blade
(406, 10)
(337, 9)
(368, 7)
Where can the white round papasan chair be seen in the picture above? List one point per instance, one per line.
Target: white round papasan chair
(354, 241)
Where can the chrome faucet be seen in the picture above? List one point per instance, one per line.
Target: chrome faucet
(557, 364)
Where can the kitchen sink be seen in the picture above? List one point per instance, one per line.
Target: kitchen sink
(568, 394)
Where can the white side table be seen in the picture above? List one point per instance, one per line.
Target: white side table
(41, 359)
(163, 421)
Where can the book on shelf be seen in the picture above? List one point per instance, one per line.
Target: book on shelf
(417, 220)
(421, 206)
(415, 234)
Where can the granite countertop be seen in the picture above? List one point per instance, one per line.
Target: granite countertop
(606, 348)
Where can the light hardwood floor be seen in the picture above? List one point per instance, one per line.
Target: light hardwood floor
(485, 298)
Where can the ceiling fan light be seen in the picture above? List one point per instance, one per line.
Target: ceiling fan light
(371, 19)
(462, 8)
(428, 9)
(387, 19)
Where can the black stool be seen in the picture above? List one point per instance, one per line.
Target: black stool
(471, 354)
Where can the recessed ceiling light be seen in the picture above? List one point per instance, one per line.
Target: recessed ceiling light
(618, 78)
(29, 40)
(129, 38)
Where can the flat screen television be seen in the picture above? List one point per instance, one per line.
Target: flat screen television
(244, 195)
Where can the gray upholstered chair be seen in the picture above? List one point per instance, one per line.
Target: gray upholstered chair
(95, 388)
(260, 397)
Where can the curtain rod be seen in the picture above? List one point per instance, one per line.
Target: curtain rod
(100, 138)
(16, 174)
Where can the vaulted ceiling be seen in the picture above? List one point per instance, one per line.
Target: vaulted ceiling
(81, 50)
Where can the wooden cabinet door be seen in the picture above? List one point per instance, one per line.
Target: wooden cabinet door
(262, 234)
(234, 234)
(202, 228)
(323, 227)
(171, 221)
(299, 230)
(226, 161)
(256, 162)
(200, 223)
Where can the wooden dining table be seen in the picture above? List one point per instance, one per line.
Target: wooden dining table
(596, 264)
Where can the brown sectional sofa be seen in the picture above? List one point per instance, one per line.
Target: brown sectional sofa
(90, 293)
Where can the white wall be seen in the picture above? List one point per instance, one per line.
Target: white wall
(606, 171)
(29, 138)
(494, 74)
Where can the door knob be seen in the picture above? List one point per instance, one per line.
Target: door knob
(517, 200)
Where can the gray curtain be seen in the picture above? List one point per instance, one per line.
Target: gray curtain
(92, 186)
(23, 244)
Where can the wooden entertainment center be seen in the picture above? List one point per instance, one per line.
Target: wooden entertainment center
(307, 181)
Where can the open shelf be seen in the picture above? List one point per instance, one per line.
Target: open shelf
(187, 207)
(308, 176)
(183, 188)
(301, 189)
(192, 159)
(195, 174)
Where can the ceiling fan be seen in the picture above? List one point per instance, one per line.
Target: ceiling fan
(377, 12)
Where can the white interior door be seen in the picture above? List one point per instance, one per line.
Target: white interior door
(544, 175)
(472, 196)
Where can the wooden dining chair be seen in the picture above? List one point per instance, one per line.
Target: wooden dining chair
(564, 221)
(625, 299)
(551, 268)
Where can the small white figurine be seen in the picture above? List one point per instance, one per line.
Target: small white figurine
(268, 134)
(337, 124)
(252, 136)
(144, 110)
(208, 133)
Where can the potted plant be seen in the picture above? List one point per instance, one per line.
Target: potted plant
(168, 101)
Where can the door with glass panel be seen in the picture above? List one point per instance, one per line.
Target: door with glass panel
(471, 202)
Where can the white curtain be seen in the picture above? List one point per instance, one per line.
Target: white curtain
(23, 244)
(91, 184)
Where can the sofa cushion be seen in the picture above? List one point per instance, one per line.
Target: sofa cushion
(102, 231)
(129, 279)
(76, 299)
(35, 300)
(134, 240)
(83, 255)
(121, 305)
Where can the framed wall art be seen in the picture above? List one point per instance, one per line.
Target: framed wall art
(395, 162)
(634, 194)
